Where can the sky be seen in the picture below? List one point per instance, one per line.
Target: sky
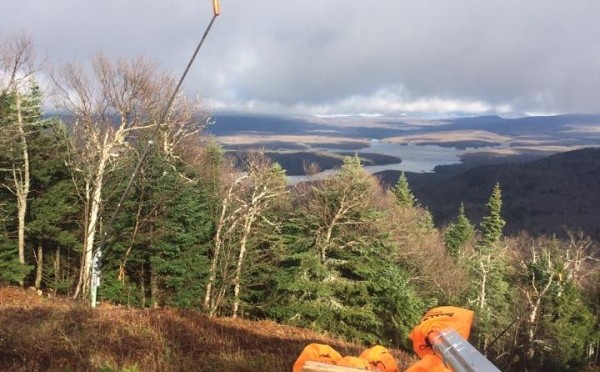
(337, 57)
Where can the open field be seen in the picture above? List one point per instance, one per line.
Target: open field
(50, 334)
(291, 141)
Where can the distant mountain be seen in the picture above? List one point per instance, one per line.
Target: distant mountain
(226, 125)
(231, 124)
(546, 196)
(563, 130)
(527, 125)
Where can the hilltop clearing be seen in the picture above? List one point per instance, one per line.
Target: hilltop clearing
(38, 333)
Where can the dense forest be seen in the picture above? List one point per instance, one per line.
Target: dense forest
(343, 255)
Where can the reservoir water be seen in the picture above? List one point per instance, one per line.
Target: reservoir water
(415, 158)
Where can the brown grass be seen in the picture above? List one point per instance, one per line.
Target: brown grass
(40, 334)
(450, 136)
(245, 139)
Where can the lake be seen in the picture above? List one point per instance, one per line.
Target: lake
(415, 158)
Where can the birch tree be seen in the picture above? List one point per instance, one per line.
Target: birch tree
(547, 268)
(112, 105)
(338, 204)
(247, 199)
(22, 113)
(268, 183)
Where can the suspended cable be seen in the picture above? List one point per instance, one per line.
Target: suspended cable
(98, 251)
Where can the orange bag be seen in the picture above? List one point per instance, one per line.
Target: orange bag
(429, 363)
(380, 359)
(316, 353)
(354, 362)
(438, 319)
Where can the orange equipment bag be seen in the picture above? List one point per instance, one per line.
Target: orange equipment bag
(429, 363)
(316, 353)
(380, 359)
(376, 358)
(355, 362)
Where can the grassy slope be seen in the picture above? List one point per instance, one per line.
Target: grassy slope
(38, 333)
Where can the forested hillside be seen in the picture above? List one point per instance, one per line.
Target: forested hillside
(343, 256)
(554, 195)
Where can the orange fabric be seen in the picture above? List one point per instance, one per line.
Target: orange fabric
(429, 363)
(438, 319)
(316, 353)
(355, 362)
(380, 359)
(376, 358)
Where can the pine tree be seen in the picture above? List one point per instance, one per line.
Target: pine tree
(54, 211)
(493, 295)
(159, 244)
(492, 224)
(404, 195)
(340, 274)
(458, 233)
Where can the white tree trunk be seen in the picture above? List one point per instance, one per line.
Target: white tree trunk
(216, 254)
(485, 267)
(40, 267)
(92, 222)
(22, 183)
(238, 269)
(210, 302)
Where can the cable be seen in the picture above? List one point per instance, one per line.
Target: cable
(144, 155)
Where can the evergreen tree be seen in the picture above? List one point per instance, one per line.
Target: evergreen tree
(20, 122)
(558, 325)
(458, 233)
(492, 224)
(404, 195)
(340, 275)
(492, 294)
(160, 240)
(568, 330)
(11, 270)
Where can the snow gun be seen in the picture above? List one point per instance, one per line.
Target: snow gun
(440, 340)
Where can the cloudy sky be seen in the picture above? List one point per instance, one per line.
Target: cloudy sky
(331, 57)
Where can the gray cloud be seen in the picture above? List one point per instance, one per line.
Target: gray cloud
(318, 56)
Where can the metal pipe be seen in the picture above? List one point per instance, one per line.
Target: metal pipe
(457, 353)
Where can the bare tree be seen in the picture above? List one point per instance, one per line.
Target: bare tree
(334, 204)
(268, 183)
(17, 62)
(229, 218)
(247, 198)
(17, 69)
(115, 103)
(545, 267)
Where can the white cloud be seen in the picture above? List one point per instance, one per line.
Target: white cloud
(387, 101)
(467, 56)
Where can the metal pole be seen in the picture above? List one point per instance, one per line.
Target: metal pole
(458, 354)
(96, 282)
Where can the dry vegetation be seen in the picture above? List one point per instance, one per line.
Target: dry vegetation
(260, 139)
(40, 334)
(450, 136)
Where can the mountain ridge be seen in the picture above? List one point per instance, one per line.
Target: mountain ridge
(553, 195)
